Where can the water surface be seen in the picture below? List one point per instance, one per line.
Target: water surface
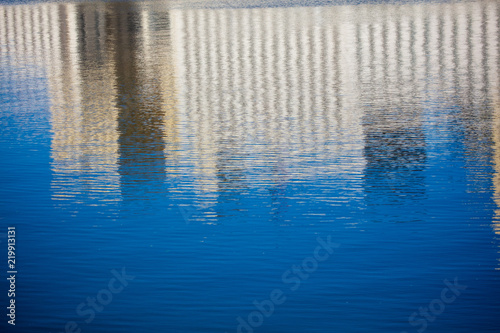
(204, 147)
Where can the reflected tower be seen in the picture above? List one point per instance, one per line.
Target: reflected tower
(147, 119)
(64, 40)
(387, 71)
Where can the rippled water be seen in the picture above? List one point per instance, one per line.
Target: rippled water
(204, 147)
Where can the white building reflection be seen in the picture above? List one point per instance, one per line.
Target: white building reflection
(358, 89)
(83, 115)
(85, 54)
(220, 98)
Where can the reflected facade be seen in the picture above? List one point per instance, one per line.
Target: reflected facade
(139, 91)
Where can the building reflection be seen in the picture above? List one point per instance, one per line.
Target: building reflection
(492, 76)
(145, 96)
(387, 72)
(112, 91)
(211, 101)
(84, 142)
(357, 89)
(256, 95)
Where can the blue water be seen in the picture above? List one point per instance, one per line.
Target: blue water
(251, 167)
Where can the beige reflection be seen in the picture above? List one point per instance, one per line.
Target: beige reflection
(282, 85)
(326, 83)
(271, 83)
(76, 46)
(84, 114)
(148, 120)
(492, 76)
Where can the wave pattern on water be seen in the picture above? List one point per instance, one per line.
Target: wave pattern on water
(206, 149)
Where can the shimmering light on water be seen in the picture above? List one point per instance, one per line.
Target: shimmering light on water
(205, 146)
